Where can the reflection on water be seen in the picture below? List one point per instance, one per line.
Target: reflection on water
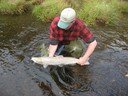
(21, 38)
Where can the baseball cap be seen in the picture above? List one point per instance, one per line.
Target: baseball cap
(67, 16)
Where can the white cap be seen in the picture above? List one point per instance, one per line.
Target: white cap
(67, 16)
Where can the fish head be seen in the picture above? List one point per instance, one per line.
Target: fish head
(39, 61)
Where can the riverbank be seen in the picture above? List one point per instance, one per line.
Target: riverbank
(98, 12)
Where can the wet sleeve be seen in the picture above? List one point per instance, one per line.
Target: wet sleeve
(53, 38)
(91, 40)
(86, 35)
(53, 42)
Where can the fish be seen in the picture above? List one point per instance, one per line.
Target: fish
(58, 60)
(126, 75)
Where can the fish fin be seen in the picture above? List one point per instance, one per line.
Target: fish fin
(87, 63)
(45, 66)
(60, 65)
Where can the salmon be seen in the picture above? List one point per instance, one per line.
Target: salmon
(59, 61)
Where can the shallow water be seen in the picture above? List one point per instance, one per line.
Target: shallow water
(21, 37)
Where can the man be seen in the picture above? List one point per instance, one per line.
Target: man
(67, 28)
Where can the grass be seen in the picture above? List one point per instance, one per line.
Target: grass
(100, 11)
(49, 9)
(7, 8)
(124, 7)
(90, 11)
(13, 6)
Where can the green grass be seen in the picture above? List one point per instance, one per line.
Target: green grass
(91, 11)
(7, 8)
(48, 9)
(108, 12)
(13, 7)
(124, 7)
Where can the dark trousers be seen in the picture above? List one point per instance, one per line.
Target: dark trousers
(59, 49)
(74, 49)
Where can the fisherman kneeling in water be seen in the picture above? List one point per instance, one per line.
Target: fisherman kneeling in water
(66, 28)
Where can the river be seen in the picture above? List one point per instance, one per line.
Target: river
(21, 37)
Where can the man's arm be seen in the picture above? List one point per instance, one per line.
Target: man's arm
(52, 49)
(89, 51)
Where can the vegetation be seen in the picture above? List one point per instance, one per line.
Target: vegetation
(98, 11)
(124, 7)
(49, 9)
(91, 11)
(14, 6)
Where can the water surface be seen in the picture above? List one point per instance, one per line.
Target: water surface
(21, 37)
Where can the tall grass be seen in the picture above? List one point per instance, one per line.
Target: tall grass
(106, 11)
(7, 8)
(49, 9)
(91, 11)
(124, 7)
(13, 6)
(76, 4)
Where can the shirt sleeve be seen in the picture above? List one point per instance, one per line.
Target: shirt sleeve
(53, 37)
(86, 35)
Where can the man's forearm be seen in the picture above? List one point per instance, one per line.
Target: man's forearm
(90, 49)
(52, 50)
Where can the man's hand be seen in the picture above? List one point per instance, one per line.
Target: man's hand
(52, 49)
(83, 61)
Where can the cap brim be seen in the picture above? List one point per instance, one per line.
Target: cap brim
(63, 25)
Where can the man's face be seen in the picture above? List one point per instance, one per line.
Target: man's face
(70, 25)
